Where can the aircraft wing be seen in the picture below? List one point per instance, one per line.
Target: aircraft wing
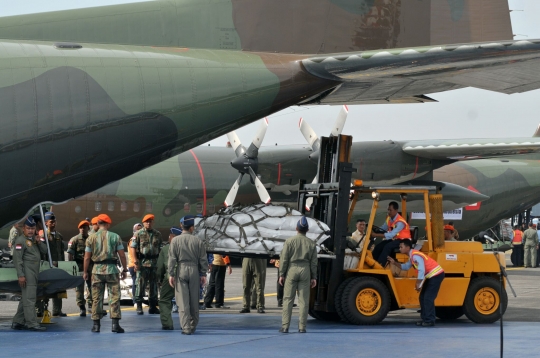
(465, 149)
(404, 75)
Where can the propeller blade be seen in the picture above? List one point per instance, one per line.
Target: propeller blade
(309, 201)
(229, 200)
(235, 143)
(253, 150)
(263, 194)
(309, 134)
(340, 121)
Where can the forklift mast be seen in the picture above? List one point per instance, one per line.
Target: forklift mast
(330, 205)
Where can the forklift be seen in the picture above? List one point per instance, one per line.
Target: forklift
(364, 293)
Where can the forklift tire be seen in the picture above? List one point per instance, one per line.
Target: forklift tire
(325, 316)
(448, 313)
(338, 298)
(482, 300)
(365, 301)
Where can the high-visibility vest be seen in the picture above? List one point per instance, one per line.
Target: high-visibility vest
(431, 266)
(405, 233)
(518, 237)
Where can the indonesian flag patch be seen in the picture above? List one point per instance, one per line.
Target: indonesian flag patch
(18, 247)
(42, 239)
(69, 244)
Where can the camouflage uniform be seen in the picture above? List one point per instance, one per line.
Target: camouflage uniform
(76, 247)
(147, 244)
(187, 264)
(166, 294)
(27, 255)
(298, 265)
(14, 233)
(57, 247)
(254, 270)
(104, 246)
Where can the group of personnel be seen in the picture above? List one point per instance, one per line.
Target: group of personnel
(525, 244)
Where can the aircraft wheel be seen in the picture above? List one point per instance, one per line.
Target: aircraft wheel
(482, 300)
(365, 301)
(449, 313)
(324, 316)
(338, 299)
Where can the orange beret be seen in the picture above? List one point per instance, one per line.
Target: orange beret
(148, 217)
(94, 220)
(449, 227)
(104, 218)
(82, 223)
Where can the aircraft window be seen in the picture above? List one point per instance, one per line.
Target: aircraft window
(123, 206)
(97, 206)
(211, 209)
(77, 209)
(199, 208)
(167, 211)
(136, 206)
(187, 207)
(148, 207)
(110, 206)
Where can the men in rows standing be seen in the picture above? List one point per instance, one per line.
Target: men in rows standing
(298, 272)
(147, 243)
(253, 270)
(76, 249)
(14, 233)
(103, 248)
(26, 258)
(530, 237)
(187, 270)
(216, 287)
(166, 294)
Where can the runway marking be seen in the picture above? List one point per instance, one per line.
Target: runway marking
(226, 299)
(515, 268)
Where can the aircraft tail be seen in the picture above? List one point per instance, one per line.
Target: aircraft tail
(284, 26)
(537, 132)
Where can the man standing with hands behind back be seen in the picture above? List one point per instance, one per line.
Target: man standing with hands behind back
(187, 271)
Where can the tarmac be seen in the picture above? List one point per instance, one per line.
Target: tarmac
(226, 333)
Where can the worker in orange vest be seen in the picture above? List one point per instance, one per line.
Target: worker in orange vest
(517, 246)
(397, 229)
(428, 282)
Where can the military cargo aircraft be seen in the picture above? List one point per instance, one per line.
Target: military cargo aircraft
(90, 96)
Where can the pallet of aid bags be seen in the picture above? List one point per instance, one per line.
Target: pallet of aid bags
(256, 230)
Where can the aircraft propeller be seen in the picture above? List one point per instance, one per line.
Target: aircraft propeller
(247, 162)
(315, 142)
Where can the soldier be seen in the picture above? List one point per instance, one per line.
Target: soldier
(530, 238)
(27, 254)
(216, 288)
(298, 271)
(132, 258)
(103, 248)
(95, 226)
(146, 243)
(253, 270)
(166, 293)
(76, 247)
(14, 233)
(187, 270)
(57, 248)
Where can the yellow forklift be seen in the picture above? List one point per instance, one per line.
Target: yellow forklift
(363, 293)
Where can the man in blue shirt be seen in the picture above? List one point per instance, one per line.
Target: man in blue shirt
(396, 228)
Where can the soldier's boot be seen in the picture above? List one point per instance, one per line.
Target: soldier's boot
(116, 326)
(97, 325)
(153, 310)
(82, 312)
(139, 308)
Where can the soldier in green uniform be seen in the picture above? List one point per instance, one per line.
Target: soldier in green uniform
(147, 243)
(76, 247)
(95, 226)
(14, 233)
(298, 271)
(166, 294)
(253, 270)
(57, 248)
(103, 248)
(187, 271)
(27, 255)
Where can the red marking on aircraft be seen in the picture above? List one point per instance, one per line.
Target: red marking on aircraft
(57, 172)
(415, 168)
(475, 206)
(278, 173)
(202, 179)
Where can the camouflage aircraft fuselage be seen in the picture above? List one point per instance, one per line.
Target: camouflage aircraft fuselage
(90, 96)
(197, 182)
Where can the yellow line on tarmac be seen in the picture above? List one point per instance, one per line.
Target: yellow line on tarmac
(133, 308)
(515, 268)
